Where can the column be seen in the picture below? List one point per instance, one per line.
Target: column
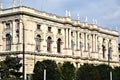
(75, 40)
(20, 35)
(86, 46)
(82, 41)
(66, 38)
(93, 43)
(69, 38)
(78, 40)
(14, 36)
(96, 43)
(4, 44)
(4, 36)
(1, 41)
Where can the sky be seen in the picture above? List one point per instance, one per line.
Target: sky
(106, 12)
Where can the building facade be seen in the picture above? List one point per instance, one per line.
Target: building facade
(119, 51)
(47, 36)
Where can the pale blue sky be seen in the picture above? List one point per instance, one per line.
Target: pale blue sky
(107, 12)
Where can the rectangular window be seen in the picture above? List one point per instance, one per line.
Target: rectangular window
(38, 46)
(59, 31)
(38, 26)
(8, 46)
(7, 25)
(49, 29)
(17, 26)
(71, 33)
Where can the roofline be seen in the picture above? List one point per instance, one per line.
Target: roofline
(52, 17)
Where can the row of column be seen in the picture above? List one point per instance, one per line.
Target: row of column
(88, 40)
(67, 38)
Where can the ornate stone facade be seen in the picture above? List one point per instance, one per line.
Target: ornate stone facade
(48, 36)
(119, 51)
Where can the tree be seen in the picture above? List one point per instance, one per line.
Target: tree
(104, 71)
(116, 73)
(3, 70)
(10, 67)
(87, 72)
(68, 71)
(52, 72)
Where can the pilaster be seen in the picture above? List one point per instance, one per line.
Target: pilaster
(67, 41)
(75, 47)
(96, 43)
(20, 34)
(93, 42)
(78, 38)
(69, 38)
(4, 36)
(83, 40)
(86, 42)
(4, 44)
(1, 41)
(14, 46)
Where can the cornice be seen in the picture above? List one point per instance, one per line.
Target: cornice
(54, 55)
(54, 18)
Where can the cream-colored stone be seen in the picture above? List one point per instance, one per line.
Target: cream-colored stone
(91, 36)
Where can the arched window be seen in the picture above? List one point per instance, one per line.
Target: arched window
(103, 50)
(59, 45)
(38, 41)
(49, 44)
(8, 42)
(110, 50)
(109, 53)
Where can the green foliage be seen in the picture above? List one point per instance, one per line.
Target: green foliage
(104, 69)
(68, 71)
(116, 73)
(10, 67)
(87, 72)
(52, 72)
(11, 79)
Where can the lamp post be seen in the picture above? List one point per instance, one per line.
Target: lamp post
(44, 74)
(109, 57)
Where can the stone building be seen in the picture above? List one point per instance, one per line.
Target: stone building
(119, 51)
(48, 36)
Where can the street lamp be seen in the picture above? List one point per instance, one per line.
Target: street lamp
(109, 57)
(44, 74)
